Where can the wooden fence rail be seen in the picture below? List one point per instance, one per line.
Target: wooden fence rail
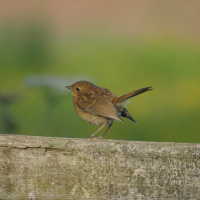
(61, 168)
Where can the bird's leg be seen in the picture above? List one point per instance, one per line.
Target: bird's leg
(106, 131)
(97, 131)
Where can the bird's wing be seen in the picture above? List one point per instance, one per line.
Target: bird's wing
(101, 106)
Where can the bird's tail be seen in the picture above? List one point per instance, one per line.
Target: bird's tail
(133, 94)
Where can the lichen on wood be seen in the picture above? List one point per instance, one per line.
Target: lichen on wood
(61, 168)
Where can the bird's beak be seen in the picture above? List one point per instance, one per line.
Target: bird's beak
(69, 87)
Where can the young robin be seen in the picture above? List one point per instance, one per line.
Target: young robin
(99, 106)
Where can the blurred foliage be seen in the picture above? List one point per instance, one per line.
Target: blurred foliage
(170, 112)
(9, 125)
(26, 48)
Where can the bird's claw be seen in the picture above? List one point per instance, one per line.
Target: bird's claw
(96, 137)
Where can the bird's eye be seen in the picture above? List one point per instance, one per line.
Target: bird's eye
(77, 89)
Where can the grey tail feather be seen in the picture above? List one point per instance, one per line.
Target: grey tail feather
(126, 114)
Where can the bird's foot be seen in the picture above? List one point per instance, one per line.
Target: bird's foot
(96, 137)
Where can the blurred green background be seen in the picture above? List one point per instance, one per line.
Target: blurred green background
(122, 46)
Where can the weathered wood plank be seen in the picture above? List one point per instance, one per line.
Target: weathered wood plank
(62, 168)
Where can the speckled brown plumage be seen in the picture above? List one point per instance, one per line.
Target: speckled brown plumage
(99, 106)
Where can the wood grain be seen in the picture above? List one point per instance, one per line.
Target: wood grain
(62, 168)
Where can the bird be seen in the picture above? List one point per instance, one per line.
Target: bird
(99, 106)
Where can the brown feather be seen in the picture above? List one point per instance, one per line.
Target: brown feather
(102, 107)
(132, 94)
